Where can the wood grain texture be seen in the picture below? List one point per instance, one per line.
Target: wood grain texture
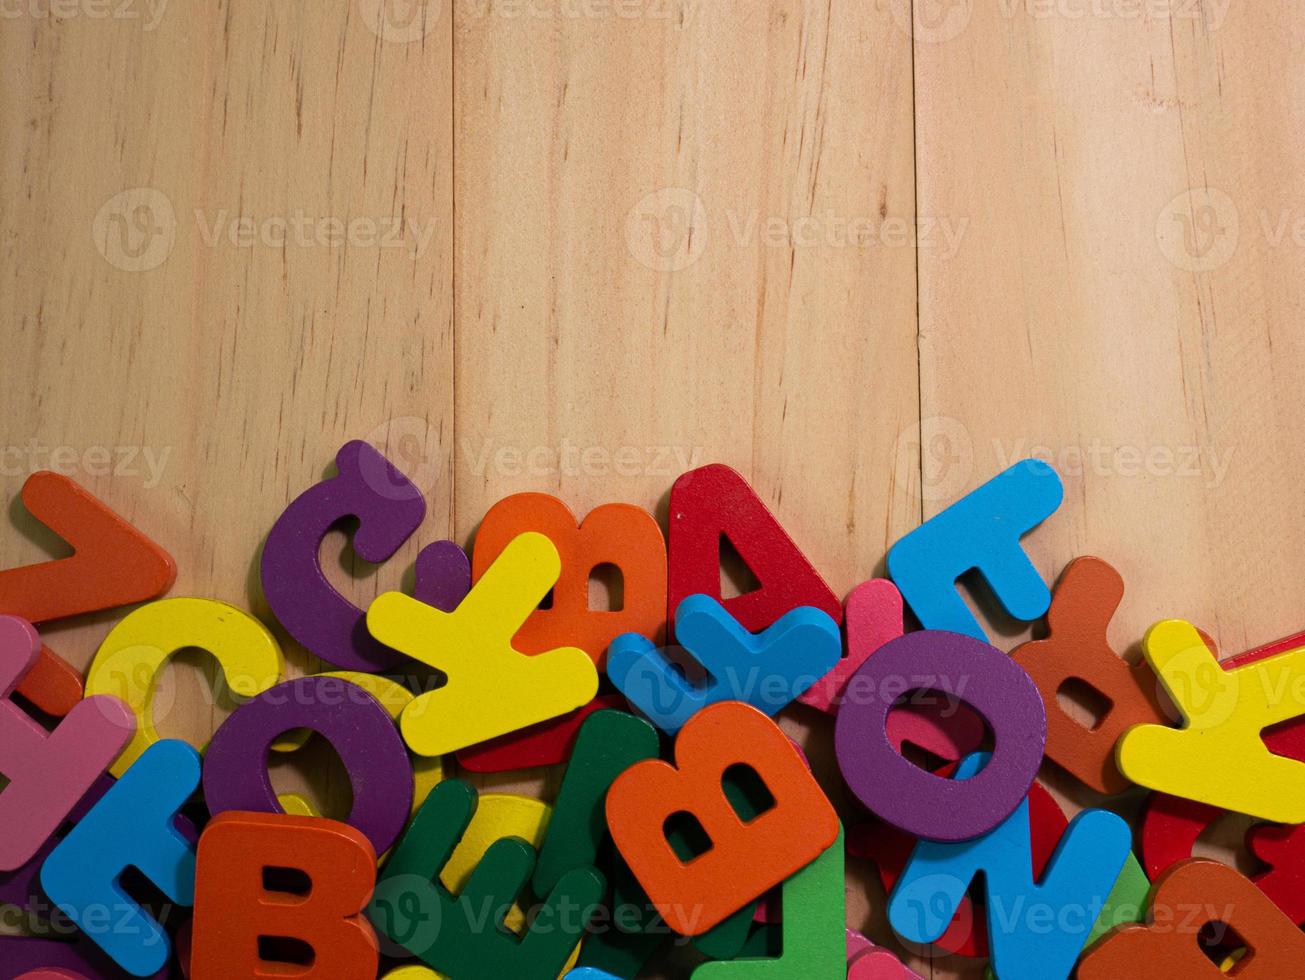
(1120, 296)
(277, 280)
(1118, 305)
(865, 252)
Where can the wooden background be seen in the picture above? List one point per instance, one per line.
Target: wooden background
(864, 264)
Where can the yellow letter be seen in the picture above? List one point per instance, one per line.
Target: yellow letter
(492, 689)
(135, 650)
(1219, 757)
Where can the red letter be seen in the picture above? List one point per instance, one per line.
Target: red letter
(714, 501)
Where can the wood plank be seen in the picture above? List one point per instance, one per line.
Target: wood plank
(684, 235)
(684, 232)
(174, 324)
(1111, 147)
(627, 284)
(1117, 300)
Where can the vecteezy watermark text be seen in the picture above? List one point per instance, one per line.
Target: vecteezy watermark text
(136, 230)
(148, 12)
(672, 10)
(670, 229)
(940, 21)
(1099, 458)
(302, 230)
(833, 230)
(117, 461)
(571, 459)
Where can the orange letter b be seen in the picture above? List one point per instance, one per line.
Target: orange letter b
(741, 859)
(239, 902)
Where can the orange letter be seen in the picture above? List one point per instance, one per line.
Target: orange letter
(739, 861)
(1085, 600)
(621, 535)
(236, 906)
(1191, 895)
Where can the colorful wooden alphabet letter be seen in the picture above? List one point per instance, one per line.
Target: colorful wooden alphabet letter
(545, 744)
(879, 964)
(981, 531)
(236, 907)
(712, 502)
(21, 887)
(872, 615)
(866, 961)
(133, 826)
(136, 649)
(1085, 600)
(112, 564)
(26, 958)
(390, 695)
(493, 688)
(919, 802)
(890, 850)
(454, 934)
(412, 971)
(1282, 851)
(388, 506)
(1036, 930)
(1171, 826)
(1219, 756)
(609, 743)
(621, 535)
(497, 815)
(1188, 899)
(442, 575)
(766, 670)
(48, 772)
(814, 929)
(235, 767)
(744, 860)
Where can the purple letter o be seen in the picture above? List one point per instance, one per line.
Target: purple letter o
(367, 741)
(908, 797)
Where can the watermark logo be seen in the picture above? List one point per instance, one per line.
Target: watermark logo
(405, 913)
(413, 445)
(666, 231)
(1211, 14)
(939, 21)
(136, 229)
(932, 21)
(400, 21)
(1198, 230)
(941, 450)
